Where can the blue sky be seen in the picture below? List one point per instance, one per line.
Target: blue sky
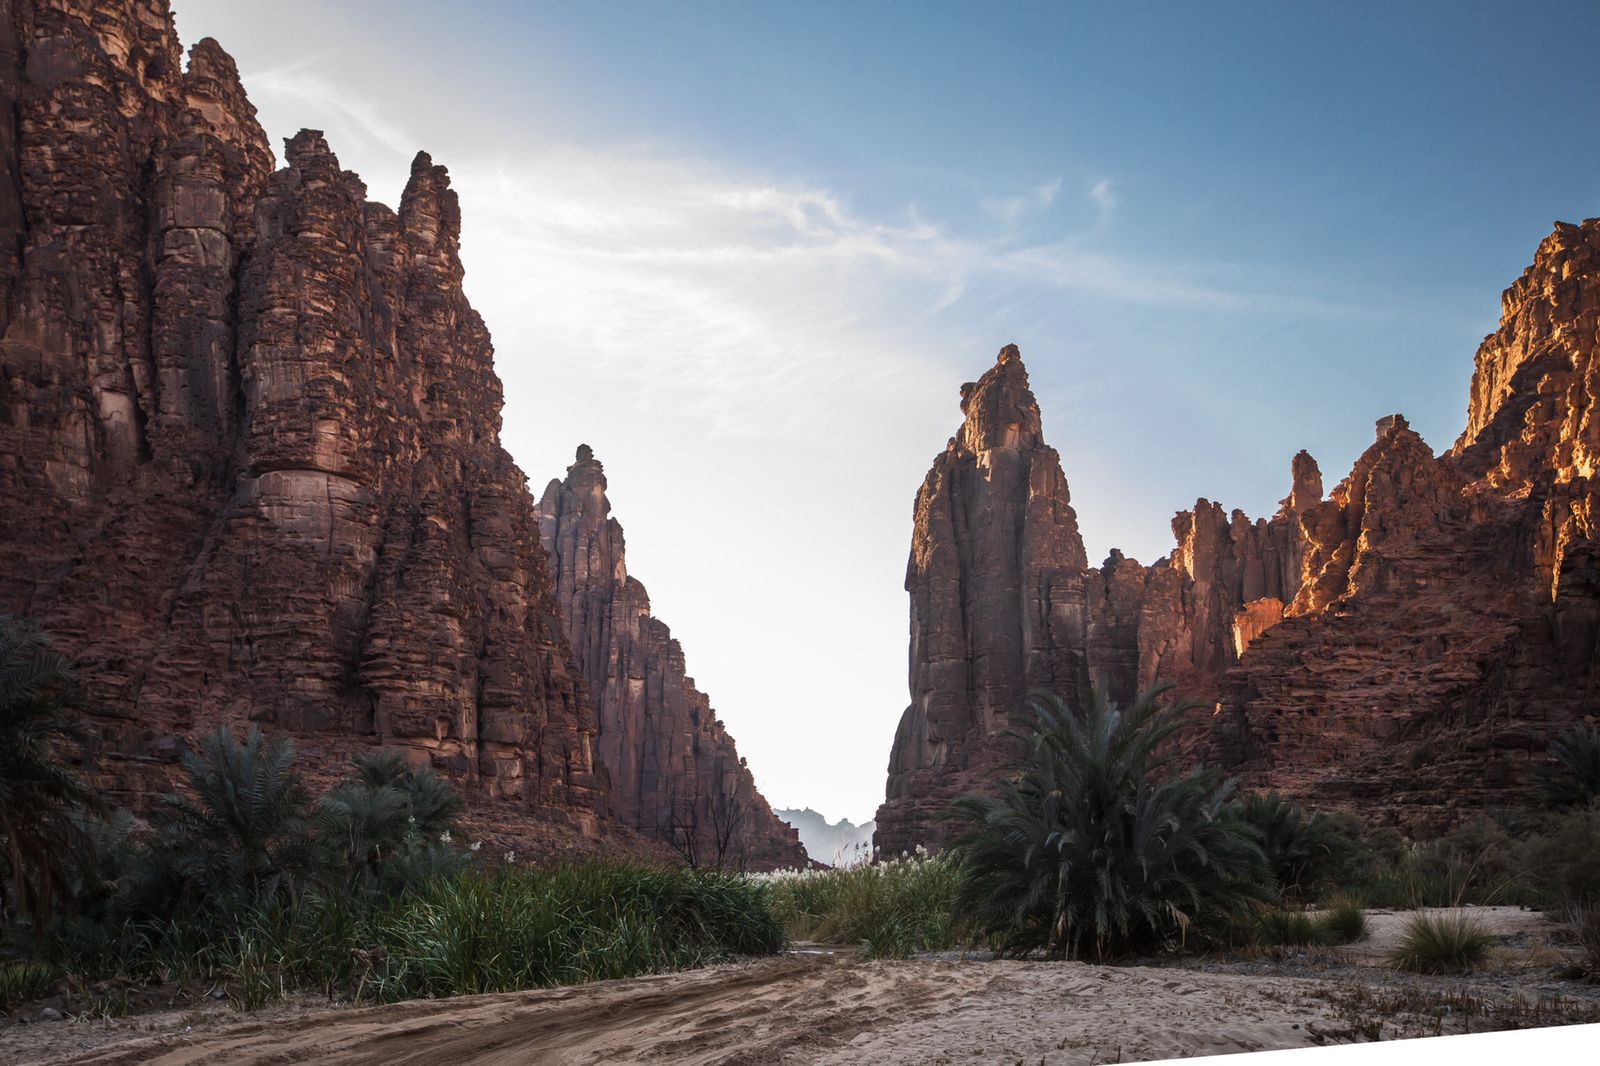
(750, 251)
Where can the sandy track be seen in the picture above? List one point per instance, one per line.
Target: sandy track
(824, 1008)
(802, 1008)
(746, 1013)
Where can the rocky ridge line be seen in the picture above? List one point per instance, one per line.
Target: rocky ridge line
(1406, 647)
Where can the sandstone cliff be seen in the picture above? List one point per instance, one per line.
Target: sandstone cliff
(250, 460)
(673, 770)
(1406, 646)
(998, 584)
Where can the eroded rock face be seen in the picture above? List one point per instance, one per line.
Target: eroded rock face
(998, 608)
(674, 772)
(1405, 647)
(250, 467)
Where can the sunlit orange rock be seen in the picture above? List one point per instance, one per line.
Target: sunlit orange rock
(1406, 647)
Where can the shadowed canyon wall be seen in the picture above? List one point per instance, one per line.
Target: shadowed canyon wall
(674, 772)
(1405, 647)
(250, 460)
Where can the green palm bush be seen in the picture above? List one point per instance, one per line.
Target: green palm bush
(41, 832)
(1302, 847)
(390, 826)
(1100, 846)
(1573, 780)
(242, 838)
(434, 806)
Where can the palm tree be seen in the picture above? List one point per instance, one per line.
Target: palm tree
(391, 811)
(1573, 780)
(39, 835)
(1100, 845)
(434, 805)
(243, 837)
(1301, 846)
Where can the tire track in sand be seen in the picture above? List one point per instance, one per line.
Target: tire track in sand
(761, 1012)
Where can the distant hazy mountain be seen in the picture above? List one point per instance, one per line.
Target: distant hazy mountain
(841, 843)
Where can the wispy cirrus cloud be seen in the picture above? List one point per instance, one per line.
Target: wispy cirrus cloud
(727, 284)
(1104, 194)
(1010, 210)
(348, 118)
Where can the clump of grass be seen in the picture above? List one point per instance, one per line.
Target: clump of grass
(892, 909)
(1287, 927)
(258, 975)
(23, 981)
(1343, 920)
(104, 1006)
(1440, 942)
(1585, 924)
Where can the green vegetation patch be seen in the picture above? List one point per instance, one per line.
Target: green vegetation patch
(893, 909)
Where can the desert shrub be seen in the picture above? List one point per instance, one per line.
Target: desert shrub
(1367, 848)
(1440, 942)
(1100, 846)
(241, 882)
(1585, 924)
(1341, 921)
(1572, 779)
(1479, 862)
(473, 931)
(1562, 863)
(893, 909)
(1303, 848)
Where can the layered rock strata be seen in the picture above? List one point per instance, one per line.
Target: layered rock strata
(1406, 646)
(674, 772)
(250, 464)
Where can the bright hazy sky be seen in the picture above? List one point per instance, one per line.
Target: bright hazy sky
(749, 252)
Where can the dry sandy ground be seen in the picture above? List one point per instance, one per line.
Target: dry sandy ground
(823, 1007)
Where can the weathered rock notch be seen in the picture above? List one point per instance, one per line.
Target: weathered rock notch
(673, 770)
(1405, 647)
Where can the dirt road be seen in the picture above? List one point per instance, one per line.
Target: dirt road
(801, 1008)
(819, 1007)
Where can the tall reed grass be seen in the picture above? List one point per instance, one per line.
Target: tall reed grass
(893, 909)
(478, 931)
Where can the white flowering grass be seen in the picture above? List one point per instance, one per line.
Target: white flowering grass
(893, 909)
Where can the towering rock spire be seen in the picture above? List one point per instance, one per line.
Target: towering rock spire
(674, 771)
(996, 578)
